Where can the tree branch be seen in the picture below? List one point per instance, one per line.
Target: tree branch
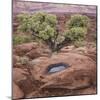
(65, 42)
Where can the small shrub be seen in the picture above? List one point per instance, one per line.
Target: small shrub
(19, 39)
(79, 43)
(78, 21)
(76, 34)
(41, 25)
(77, 29)
(24, 23)
(24, 60)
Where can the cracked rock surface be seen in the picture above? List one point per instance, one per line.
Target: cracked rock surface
(32, 78)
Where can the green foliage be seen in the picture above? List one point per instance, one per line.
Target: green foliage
(78, 20)
(47, 33)
(43, 24)
(77, 29)
(19, 39)
(76, 34)
(24, 23)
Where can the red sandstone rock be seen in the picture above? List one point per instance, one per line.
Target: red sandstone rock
(19, 74)
(22, 49)
(91, 52)
(32, 50)
(67, 49)
(38, 52)
(80, 75)
(17, 92)
(15, 59)
(79, 78)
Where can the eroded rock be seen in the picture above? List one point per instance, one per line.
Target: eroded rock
(17, 92)
(48, 79)
(19, 74)
(20, 62)
(32, 50)
(87, 51)
(81, 73)
(22, 49)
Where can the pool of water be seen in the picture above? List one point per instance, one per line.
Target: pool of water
(53, 68)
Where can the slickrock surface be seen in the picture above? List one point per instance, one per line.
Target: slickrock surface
(35, 80)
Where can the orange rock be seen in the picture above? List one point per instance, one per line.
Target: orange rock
(17, 92)
(22, 49)
(32, 50)
(80, 74)
(19, 74)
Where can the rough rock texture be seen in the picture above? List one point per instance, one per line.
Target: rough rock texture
(31, 61)
(31, 50)
(17, 92)
(38, 52)
(22, 49)
(79, 78)
(92, 53)
(21, 62)
(15, 59)
(88, 51)
(80, 75)
(79, 65)
(19, 74)
(35, 80)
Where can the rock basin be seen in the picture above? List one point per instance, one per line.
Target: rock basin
(53, 68)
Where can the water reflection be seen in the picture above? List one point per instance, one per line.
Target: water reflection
(57, 67)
